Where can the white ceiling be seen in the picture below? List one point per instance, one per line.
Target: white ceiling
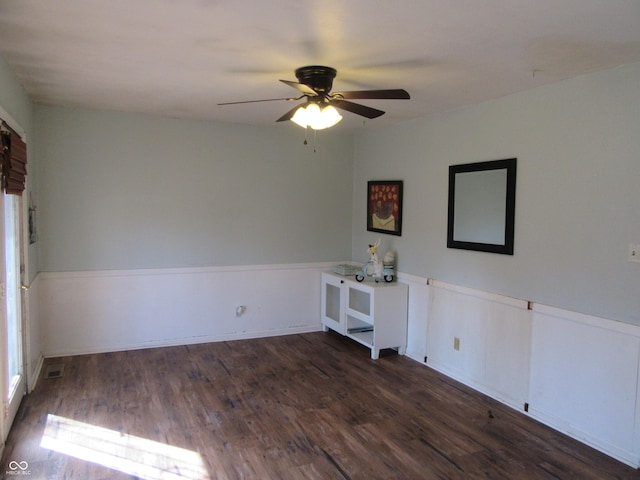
(180, 58)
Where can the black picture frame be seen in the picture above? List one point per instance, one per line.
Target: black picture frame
(504, 218)
(384, 206)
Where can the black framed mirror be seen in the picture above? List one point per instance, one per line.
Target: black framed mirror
(482, 205)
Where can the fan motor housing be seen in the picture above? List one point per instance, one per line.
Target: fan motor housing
(317, 77)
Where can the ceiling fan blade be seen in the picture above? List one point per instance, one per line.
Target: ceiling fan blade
(393, 94)
(301, 87)
(357, 108)
(288, 115)
(265, 100)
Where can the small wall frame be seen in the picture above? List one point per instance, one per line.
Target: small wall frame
(384, 206)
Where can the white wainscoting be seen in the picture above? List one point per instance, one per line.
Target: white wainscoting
(33, 334)
(418, 315)
(584, 379)
(494, 341)
(577, 373)
(87, 312)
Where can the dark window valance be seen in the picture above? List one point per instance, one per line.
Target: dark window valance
(14, 162)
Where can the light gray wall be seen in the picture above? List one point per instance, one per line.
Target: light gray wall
(577, 197)
(122, 191)
(15, 101)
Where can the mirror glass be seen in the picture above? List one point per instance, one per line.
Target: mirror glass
(482, 206)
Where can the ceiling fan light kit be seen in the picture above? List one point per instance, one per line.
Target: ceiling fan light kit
(316, 118)
(315, 83)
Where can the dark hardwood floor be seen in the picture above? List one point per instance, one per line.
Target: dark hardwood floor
(294, 407)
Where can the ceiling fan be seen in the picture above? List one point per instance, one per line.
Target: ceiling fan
(314, 84)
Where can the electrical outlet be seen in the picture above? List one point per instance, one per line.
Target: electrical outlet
(456, 343)
(634, 252)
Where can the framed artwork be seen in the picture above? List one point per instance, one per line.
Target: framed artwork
(384, 206)
(33, 234)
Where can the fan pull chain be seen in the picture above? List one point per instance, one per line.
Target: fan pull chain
(315, 136)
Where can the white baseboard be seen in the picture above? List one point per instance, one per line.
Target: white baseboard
(625, 456)
(185, 341)
(478, 386)
(32, 379)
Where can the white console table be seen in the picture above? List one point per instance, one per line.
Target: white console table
(373, 314)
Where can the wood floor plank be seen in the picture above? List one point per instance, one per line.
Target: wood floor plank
(310, 406)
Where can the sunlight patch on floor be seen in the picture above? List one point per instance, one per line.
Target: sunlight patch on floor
(119, 451)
